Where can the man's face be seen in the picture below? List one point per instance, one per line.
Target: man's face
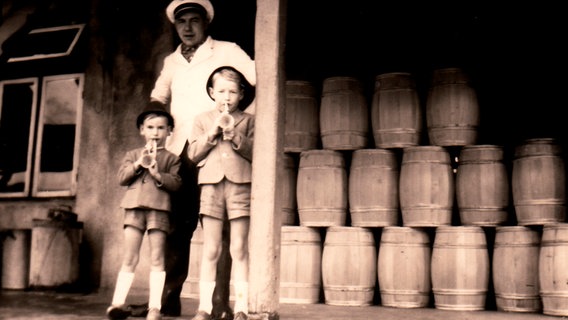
(191, 27)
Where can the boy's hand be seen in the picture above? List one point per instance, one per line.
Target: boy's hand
(229, 133)
(154, 173)
(215, 130)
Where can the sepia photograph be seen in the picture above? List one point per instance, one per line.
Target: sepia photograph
(283, 159)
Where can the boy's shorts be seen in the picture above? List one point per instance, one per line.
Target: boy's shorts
(147, 219)
(225, 194)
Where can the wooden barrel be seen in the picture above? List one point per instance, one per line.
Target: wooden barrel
(515, 269)
(373, 188)
(404, 267)
(349, 266)
(15, 269)
(191, 285)
(460, 268)
(539, 182)
(396, 116)
(287, 178)
(300, 267)
(482, 186)
(452, 109)
(426, 187)
(321, 190)
(344, 119)
(54, 260)
(301, 128)
(552, 270)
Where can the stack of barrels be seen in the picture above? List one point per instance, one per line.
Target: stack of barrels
(372, 215)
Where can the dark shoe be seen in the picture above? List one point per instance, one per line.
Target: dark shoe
(222, 313)
(138, 310)
(117, 313)
(240, 316)
(154, 314)
(202, 315)
(171, 310)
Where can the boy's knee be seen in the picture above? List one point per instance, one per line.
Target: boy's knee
(129, 263)
(238, 250)
(157, 262)
(212, 254)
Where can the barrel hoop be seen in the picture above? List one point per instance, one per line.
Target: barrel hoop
(325, 133)
(458, 246)
(459, 292)
(350, 288)
(405, 245)
(540, 202)
(554, 294)
(406, 292)
(517, 296)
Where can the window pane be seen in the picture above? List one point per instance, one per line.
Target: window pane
(17, 123)
(58, 127)
(47, 43)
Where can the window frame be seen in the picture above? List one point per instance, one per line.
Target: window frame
(72, 191)
(35, 140)
(32, 133)
(67, 52)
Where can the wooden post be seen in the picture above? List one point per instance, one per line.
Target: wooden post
(264, 235)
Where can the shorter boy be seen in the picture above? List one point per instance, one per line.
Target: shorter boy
(150, 175)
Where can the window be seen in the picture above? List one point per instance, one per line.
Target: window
(47, 43)
(39, 135)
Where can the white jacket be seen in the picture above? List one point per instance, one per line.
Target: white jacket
(183, 84)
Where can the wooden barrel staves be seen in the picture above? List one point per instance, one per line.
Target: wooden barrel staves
(349, 266)
(404, 267)
(321, 191)
(539, 182)
(452, 109)
(396, 116)
(54, 260)
(553, 273)
(460, 268)
(373, 188)
(426, 187)
(191, 285)
(344, 119)
(301, 128)
(300, 267)
(482, 186)
(287, 179)
(16, 245)
(515, 269)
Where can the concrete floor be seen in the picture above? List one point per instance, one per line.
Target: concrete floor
(42, 305)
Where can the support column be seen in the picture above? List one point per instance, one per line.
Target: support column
(264, 236)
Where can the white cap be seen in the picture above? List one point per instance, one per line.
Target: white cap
(176, 5)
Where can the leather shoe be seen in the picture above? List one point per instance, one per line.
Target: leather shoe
(138, 310)
(171, 311)
(154, 314)
(240, 316)
(202, 315)
(222, 313)
(117, 313)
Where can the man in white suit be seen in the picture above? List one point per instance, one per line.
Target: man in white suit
(181, 84)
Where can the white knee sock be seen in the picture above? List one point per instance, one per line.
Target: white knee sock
(206, 289)
(241, 296)
(157, 281)
(123, 283)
